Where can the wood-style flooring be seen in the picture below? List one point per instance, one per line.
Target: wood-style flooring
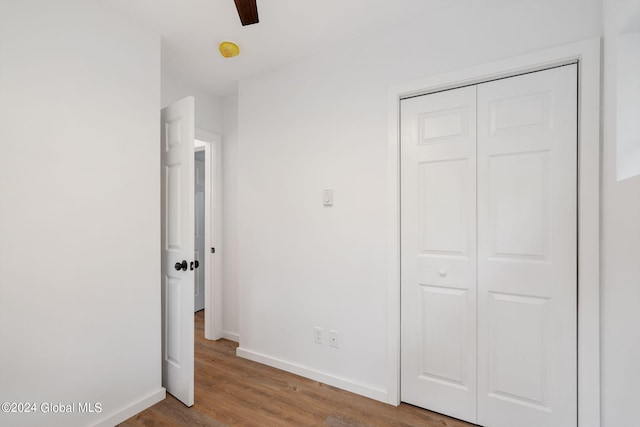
(231, 391)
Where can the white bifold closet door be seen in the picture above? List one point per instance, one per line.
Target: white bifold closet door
(489, 304)
(438, 263)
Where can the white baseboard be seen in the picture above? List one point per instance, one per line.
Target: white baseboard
(230, 336)
(332, 380)
(133, 409)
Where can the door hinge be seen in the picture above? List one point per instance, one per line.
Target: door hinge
(213, 250)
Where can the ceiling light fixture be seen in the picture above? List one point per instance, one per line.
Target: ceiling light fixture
(229, 49)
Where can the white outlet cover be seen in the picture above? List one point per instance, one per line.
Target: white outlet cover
(334, 338)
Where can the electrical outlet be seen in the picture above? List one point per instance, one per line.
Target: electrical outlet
(334, 338)
(318, 335)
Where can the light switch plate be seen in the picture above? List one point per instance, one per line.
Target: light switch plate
(327, 197)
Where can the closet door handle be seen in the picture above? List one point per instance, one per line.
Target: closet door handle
(181, 265)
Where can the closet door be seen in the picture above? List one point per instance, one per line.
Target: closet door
(527, 250)
(438, 235)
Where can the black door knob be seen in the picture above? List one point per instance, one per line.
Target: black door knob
(181, 265)
(197, 263)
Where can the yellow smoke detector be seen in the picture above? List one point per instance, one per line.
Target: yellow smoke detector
(229, 49)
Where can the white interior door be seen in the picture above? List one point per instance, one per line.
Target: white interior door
(177, 213)
(199, 224)
(438, 266)
(527, 250)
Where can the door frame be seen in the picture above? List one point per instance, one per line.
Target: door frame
(211, 144)
(586, 54)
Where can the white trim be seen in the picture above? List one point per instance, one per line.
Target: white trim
(206, 135)
(213, 232)
(587, 54)
(133, 409)
(332, 380)
(230, 336)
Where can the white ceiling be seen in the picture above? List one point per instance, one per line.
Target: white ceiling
(192, 29)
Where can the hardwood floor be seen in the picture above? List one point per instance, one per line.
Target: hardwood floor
(231, 391)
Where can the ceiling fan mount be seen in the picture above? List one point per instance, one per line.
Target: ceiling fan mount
(248, 11)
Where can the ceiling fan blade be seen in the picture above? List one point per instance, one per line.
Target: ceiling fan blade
(248, 11)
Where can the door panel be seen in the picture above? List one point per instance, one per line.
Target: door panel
(443, 349)
(527, 250)
(518, 204)
(177, 245)
(517, 355)
(441, 210)
(438, 247)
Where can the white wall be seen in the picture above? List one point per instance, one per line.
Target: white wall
(208, 106)
(79, 211)
(230, 217)
(620, 287)
(321, 122)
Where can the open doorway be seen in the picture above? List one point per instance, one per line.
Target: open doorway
(198, 227)
(208, 230)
